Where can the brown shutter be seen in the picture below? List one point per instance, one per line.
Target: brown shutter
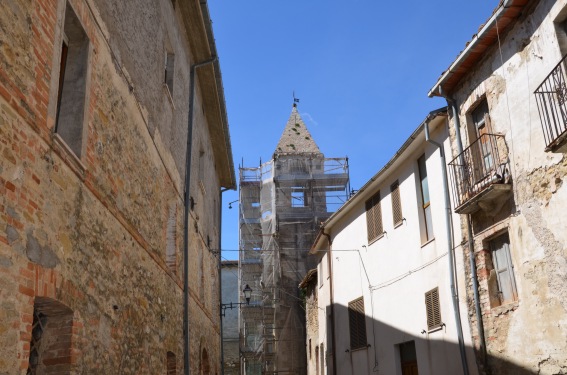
(396, 203)
(433, 309)
(357, 324)
(374, 217)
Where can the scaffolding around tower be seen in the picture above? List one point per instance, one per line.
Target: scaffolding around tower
(282, 204)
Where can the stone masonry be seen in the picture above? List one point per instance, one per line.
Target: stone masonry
(91, 242)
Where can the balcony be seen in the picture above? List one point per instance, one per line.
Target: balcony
(480, 175)
(551, 96)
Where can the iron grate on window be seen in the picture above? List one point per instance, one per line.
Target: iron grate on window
(38, 327)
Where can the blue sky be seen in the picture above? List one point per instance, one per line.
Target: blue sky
(361, 69)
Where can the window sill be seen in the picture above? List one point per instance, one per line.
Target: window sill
(399, 223)
(169, 96)
(376, 239)
(359, 349)
(504, 308)
(68, 156)
(427, 242)
(436, 329)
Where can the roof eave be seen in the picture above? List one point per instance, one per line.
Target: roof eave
(362, 194)
(508, 11)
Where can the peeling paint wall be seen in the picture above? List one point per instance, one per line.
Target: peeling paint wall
(529, 331)
(102, 233)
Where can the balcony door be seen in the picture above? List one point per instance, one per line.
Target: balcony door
(482, 154)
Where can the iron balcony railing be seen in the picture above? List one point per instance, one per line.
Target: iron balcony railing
(479, 166)
(551, 98)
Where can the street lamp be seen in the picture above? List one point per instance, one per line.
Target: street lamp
(247, 291)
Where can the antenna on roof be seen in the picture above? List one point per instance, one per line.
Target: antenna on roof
(295, 100)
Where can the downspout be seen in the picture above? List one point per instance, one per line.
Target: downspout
(220, 281)
(479, 322)
(186, 357)
(448, 229)
(330, 267)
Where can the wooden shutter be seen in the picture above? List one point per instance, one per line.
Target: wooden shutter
(357, 324)
(396, 203)
(433, 309)
(374, 217)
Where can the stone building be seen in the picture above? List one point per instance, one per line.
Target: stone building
(386, 299)
(508, 123)
(315, 356)
(230, 333)
(94, 116)
(282, 203)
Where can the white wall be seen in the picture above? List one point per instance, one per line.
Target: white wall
(399, 270)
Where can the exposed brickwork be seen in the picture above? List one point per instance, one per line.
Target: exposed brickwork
(91, 233)
(532, 215)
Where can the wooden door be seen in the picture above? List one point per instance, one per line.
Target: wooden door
(409, 368)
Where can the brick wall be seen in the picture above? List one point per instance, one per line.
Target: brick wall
(91, 232)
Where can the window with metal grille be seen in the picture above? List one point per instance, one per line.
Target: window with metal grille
(396, 203)
(374, 218)
(51, 337)
(357, 324)
(171, 364)
(433, 309)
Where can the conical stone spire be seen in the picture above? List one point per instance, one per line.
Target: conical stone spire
(296, 139)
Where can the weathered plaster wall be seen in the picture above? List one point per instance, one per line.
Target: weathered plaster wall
(534, 216)
(92, 232)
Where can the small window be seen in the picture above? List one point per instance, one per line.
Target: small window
(374, 218)
(171, 238)
(357, 324)
(427, 227)
(396, 204)
(298, 196)
(72, 90)
(433, 309)
(169, 66)
(171, 364)
(202, 170)
(51, 337)
(502, 263)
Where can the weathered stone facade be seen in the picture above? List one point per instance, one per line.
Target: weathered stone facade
(310, 289)
(91, 236)
(523, 305)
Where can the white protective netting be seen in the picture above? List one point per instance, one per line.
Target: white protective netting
(282, 204)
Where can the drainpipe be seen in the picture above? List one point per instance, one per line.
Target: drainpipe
(186, 198)
(479, 323)
(454, 296)
(330, 267)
